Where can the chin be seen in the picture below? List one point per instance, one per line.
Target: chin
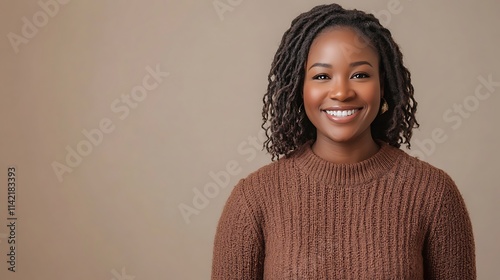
(344, 139)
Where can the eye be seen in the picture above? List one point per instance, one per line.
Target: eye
(360, 76)
(321, 77)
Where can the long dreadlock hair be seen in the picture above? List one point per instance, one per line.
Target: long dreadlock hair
(287, 127)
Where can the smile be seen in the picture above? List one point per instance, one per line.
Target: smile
(341, 113)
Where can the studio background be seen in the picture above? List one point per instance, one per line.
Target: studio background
(120, 116)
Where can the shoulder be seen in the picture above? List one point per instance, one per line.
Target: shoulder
(422, 170)
(271, 171)
(259, 184)
(424, 180)
(434, 188)
(434, 184)
(266, 176)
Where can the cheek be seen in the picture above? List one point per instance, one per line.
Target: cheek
(373, 98)
(312, 100)
(371, 94)
(312, 96)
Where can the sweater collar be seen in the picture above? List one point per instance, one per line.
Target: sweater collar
(346, 173)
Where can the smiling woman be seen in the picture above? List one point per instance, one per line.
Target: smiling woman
(342, 201)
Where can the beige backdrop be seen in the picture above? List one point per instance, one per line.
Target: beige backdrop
(120, 116)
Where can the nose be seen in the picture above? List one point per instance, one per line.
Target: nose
(341, 90)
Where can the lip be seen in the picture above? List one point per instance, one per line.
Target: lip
(342, 120)
(349, 107)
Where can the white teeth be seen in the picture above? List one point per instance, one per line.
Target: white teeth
(342, 113)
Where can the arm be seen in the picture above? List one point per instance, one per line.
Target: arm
(239, 244)
(449, 252)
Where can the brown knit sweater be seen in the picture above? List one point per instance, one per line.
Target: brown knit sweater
(389, 217)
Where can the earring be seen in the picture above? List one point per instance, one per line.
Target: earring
(384, 107)
(300, 108)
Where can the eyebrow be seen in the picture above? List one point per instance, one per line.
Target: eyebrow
(353, 64)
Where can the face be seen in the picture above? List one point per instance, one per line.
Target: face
(342, 86)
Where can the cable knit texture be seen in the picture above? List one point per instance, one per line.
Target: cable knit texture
(391, 216)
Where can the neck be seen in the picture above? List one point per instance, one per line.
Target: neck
(345, 152)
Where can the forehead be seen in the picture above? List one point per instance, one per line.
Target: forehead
(341, 44)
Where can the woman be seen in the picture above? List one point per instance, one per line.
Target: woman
(342, 201)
